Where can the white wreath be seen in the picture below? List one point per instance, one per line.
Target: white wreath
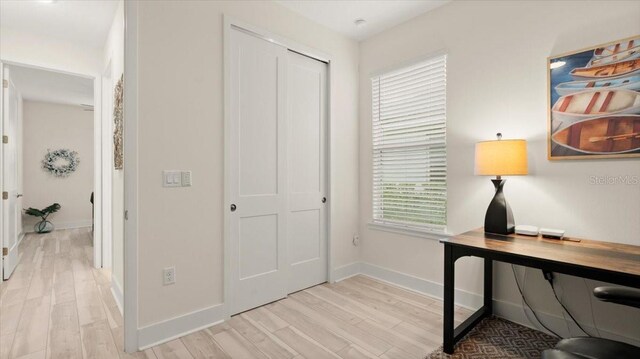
(52, 162)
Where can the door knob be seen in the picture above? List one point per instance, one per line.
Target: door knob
(324, 199)
(19, 195)
(233, 207)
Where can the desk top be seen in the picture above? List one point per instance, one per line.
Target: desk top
(588, 253)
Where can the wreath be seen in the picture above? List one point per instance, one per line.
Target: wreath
(61, 163)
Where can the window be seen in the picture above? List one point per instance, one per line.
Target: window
(409, 146)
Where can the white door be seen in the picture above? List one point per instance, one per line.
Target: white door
(257, 172)
(11, 211)
(306, 119)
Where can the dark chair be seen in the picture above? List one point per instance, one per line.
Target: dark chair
(597, 348)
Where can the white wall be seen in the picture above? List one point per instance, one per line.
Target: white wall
(180, 62)
(114, 57)
(48, 53)
(54, 126)
(496, 82)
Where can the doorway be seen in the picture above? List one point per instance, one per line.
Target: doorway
(277, 173)
(49, 125)
(53, 155)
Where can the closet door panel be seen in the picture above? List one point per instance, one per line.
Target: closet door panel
(258, 121)
(306, 117)
(258, 172)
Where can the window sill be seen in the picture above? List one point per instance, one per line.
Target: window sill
(409, 231)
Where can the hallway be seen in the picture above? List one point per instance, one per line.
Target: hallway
(56, 305)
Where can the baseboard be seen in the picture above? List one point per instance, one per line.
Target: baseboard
(116, 291)
(177, 327)
(346, 271)
(62, 225)
(432, 289)
(180, 326)
(507, 310)
(20, 237)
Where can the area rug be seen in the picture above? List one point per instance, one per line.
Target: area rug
(498, 338)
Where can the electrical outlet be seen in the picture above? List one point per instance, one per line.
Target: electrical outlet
(356, 239)
(169, 275)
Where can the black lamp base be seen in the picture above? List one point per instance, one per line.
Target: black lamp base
(499, 218)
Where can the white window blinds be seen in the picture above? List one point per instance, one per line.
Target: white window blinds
(409, 146)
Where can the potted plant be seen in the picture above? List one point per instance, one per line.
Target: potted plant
(43, 226)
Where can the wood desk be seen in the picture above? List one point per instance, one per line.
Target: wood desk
(608, 262)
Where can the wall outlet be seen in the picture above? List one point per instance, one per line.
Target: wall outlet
(169, 275)
(356, 239)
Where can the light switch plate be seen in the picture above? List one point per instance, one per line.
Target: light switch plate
(171, 178)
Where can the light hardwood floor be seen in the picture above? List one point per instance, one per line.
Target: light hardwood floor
(57, 306)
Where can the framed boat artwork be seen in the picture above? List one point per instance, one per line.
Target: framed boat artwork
(594, 102)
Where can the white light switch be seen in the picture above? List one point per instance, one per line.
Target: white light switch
(171, 178)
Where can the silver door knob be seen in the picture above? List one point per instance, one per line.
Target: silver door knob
(233, 207)
(324, 199)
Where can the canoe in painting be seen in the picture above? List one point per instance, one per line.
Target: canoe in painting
(627, 83)
(579, 106)
(621, 56)
(624, 68)
(616, 48)
(605, 135)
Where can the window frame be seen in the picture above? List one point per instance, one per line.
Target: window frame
(416, 229)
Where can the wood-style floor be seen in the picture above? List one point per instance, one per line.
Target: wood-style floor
(57, 306)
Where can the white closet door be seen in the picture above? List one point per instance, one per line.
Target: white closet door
(258, 172)
(11, 211)
(306, 118)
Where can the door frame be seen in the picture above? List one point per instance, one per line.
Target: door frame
(130, 150)
(106, 155)
(230, 24)
(98, 222)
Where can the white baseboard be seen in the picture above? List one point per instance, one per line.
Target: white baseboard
(463, 298)
(173, 328)
(62, 225)
(116, 291)
(346, 271)
(20, 237)
(180, 326)
(507, 310)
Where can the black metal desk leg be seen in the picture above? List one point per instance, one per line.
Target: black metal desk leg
(449, 288)
(488, 286)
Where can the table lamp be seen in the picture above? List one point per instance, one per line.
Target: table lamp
(500, 158)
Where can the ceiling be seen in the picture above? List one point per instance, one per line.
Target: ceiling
(48, 86)
(85, 23)
(339, 15)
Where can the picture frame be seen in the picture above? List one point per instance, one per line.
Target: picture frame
(593, 102)
(118, 125)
